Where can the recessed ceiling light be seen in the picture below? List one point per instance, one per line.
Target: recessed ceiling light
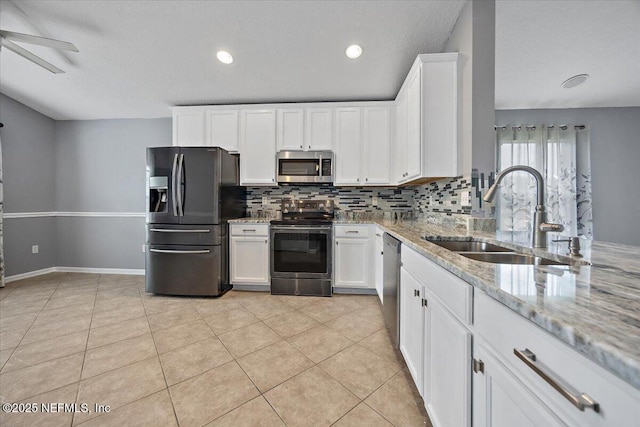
(574, 81)
(354, 51)
(224, 57)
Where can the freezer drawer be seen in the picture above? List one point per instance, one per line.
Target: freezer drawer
(195, 235)
(185, 270)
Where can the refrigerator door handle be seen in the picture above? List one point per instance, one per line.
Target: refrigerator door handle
(180, 186)
(173, 185)
(170, 230)
(168, 251)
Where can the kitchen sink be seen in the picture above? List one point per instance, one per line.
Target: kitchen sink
(488, 252)
(510, 258)
(469, 246)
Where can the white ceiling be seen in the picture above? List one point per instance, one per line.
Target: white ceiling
(540, 44)
(137, 58)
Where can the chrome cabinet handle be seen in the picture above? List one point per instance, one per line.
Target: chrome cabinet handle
(167, 230)
(173, 185)
(577, 399)
(167, 251)
(366, 179)
(301, 146)
(248, 230)
(353, 231)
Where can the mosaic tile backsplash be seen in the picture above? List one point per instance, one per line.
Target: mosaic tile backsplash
(439, 198)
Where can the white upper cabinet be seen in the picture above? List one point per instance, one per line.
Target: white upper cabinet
(188, 126)
(427, 120)
(258, 147)
(222, 129)
(319, 129)
(291, 129)
(376, 162)
(348, 146)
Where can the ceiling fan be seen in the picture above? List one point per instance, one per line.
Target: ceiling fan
(6, 38)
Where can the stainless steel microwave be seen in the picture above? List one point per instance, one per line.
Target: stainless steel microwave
(304, 167)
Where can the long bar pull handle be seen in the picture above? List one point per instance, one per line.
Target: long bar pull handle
(168, 230)
(167, 251)
(353, 231)
(180, 185)
(577, 399)
(174, 193)
(248, 230)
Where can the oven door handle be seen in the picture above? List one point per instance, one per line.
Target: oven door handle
(297, 228)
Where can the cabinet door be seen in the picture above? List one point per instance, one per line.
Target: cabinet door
(351, 263)
(188, 127)
(501, 400)
(319, 129)
(258, 147)
(377, 141)
(447, 369)
(348, 146)
(411, 325)
(400, 152)
(222, 129)
(249, 258)
(414, 127)
(440, 115)
(291, 129)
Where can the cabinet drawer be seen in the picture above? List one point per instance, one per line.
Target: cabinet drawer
(250, 229)
(455, 293)
(352, 231)
(505, 330)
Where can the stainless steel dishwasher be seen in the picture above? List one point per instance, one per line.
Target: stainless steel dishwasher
(391, 287)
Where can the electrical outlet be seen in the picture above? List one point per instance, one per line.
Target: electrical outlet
(374, 201)
(464, 198)
(144, 248)
(35, 249)
(265, 201)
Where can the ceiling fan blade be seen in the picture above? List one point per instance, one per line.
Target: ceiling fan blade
(42, 41)
(30, 56)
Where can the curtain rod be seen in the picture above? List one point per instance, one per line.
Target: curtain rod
(533, 127)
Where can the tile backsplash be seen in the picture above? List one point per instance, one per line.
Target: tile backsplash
(438, 198)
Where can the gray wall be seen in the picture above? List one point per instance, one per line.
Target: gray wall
(615, 164)
(100, 167)
(473, 37)
(74, 166)
(28, 163)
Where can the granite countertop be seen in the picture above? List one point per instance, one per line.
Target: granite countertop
(593, 308)
(250, 221)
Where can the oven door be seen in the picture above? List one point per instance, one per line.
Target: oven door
(301, 252)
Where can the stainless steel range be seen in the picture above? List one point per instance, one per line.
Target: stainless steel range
(301, 249)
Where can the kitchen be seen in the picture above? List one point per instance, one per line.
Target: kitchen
(71, 196)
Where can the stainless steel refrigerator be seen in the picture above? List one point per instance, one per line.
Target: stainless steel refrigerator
(191, 194)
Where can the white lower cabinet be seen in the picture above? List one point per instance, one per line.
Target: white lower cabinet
(434, 342)
(501, 400)
(447, 356)
(351, 256)
(524, 369)
(249, 254)
(412, 318)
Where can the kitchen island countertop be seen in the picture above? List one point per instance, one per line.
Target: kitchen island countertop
(593, 308)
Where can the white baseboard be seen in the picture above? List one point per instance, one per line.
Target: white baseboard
(124, 271)
(29, 274)
(127, 271)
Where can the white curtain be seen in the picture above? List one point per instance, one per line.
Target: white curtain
(551, 151)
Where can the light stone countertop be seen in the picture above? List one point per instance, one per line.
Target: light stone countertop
(250, 221)
(593, 308)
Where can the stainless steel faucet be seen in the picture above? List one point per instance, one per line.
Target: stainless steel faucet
(540, 227)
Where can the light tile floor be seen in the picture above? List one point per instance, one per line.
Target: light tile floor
(245, 359)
